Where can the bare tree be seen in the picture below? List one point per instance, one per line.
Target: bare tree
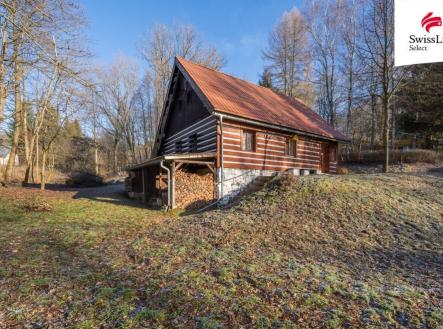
(287, 57)
(44, 95)
(348, 29)
(117, 87)
(4, 56)
(162, 44)
(55, 119)
(323, 23)
(32, 31)
(17, 39)
(146, 118)
(378, 52)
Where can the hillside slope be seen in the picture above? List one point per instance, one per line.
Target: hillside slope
(360, 250)
(309, 252)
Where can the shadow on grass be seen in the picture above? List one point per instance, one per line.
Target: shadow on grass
(110, 193)
(436, 172)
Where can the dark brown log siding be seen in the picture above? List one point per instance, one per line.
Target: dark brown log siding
(270, 151)
(201, 133)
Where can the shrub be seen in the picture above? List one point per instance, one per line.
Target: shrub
(84, 179)
(342, 171)
(35, 204)
(396, 156)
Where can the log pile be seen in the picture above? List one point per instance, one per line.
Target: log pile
(193, 190)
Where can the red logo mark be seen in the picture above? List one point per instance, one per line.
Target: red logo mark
(428, 21)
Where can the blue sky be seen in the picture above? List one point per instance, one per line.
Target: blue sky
(238, 29)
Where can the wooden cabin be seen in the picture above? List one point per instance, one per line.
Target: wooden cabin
(218, 133)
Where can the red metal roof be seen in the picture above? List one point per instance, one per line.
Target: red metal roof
(234, 96)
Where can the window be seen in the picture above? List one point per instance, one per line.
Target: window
(193, 140)
(291, 147)
(179, 147)
(333, 153)
(188, 97)
(248, 140)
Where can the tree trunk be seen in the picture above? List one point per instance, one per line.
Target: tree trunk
(3, 91)
(350, 99)
(16, 129)
(43, 171)
(35, 168)
(386, 135)
(17, 104)
(96, 159)
(29, 149)
(115, 154)
(373, 112)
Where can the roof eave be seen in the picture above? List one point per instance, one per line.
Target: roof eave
(278, 127)
(174, 156)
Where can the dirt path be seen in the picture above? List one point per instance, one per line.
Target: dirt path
(111, 193)
(106, 191)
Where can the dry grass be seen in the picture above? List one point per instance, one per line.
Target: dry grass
(397, 156)
(18, 173)
(329, 251)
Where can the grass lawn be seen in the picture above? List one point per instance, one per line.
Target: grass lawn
(328, 251)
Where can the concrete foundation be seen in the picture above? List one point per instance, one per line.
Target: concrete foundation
(235, 180)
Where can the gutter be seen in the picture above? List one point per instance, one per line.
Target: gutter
(169, 182)
(222, 175)
(277, 127)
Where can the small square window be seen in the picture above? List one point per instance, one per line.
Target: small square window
(248, 140)
(291, 147)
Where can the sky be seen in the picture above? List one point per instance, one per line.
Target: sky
(238, 29)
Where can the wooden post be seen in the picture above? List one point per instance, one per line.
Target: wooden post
(172, 184)
(143, 184)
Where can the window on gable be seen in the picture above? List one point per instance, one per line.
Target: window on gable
(188, 97)
(179, 147)
(291, 147)
(193, 140)
(248, 140)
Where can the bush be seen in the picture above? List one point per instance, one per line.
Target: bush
(35, 205)
(84, 179)
(396, 156)
(342, 171)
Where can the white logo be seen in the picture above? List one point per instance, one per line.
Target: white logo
(418, 34)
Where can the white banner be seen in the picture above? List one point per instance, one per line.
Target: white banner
(418, 31)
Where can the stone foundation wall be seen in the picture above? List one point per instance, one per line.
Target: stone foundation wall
(235, 180)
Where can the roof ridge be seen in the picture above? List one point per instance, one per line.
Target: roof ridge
(229, 75)
(247, 81)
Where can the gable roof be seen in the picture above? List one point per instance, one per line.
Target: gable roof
(229, 95)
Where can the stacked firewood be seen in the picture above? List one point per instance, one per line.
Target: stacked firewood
(193, 190)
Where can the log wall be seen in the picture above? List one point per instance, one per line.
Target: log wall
(198, 137)
(269, 151)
